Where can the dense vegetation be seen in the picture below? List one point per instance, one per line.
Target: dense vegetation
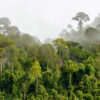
(68, 68)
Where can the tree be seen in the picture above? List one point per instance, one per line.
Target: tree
(27, 42)
(62, 50)
(4, 21)
(47, 56)
(27, 64)
(81, 17)
(96, 21)
(36, 72)
(11, 58)
(71, 67)
(90, 83)
(90, 63)
(4, 24)
(2, 53)
(13, 32)
(91, 32)
(73, 44)
(5, 42)
(78, 55)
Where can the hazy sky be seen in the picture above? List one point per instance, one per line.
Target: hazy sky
(46, 18)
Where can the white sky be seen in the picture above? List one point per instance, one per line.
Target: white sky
(46, 18)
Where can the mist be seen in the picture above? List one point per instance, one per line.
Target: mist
(46, 18)
(49, 50)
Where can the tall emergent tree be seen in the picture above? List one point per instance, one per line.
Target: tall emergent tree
(62, 50)
(36, 72)
(71, 67)
(81, 17)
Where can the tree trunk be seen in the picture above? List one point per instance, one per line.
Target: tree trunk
(1, 64)
(36, 86)
(80, 25)
(24, 90)
(60, 62)
(12, 68)
(70, 79)
(70, 86)
(47, 67)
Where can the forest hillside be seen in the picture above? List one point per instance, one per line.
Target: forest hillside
(67, 68)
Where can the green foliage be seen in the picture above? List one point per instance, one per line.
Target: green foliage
(47, 56)
(62, 70)
(97, 98)
(79, 55)
(71, 66)
(90, 83)
(88, 97)
(90, 63)
(36, 69)
(91, 33)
